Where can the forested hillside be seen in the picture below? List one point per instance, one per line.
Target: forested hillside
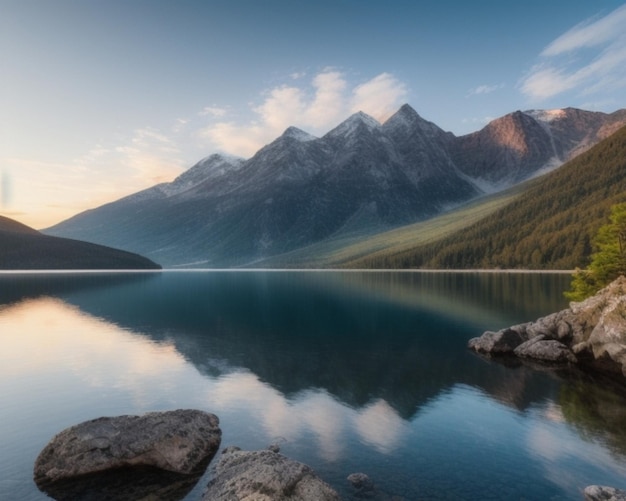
(23, 248)
(550, 226)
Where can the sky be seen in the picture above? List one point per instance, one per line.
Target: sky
(103, 98)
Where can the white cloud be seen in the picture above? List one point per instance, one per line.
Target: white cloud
(102, 174)
(380, 97)
(484, 89)
(316, 106)
(151, 157)
(588, 59)
(179, 125)
(327, 105)
(280, 107)
(214, 111)
(589, 33)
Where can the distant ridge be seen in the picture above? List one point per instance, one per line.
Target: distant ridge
(361, 178)
(23, 248)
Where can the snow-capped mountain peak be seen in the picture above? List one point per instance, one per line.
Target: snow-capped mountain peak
(547, 115)
(352, 123)
(407, 119)
(298, 134)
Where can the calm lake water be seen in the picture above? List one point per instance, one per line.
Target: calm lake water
(347, 371)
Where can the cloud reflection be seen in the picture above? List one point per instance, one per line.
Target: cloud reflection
(381, 426)
(54, 355)
(555, 446)
(53, 345)
(311, 411)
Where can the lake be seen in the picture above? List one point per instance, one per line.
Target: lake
(347, 371)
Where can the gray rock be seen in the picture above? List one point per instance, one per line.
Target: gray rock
(547, 350)
(265, 476)
(175, 441)
(502, 342)
(362, 484)
(590, 332)
(273, 447)
(602, 493)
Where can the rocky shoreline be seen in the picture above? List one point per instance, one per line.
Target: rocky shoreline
(590, 334)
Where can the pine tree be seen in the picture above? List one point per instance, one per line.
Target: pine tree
(608, 261)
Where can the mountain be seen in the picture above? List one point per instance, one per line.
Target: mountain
(523, 144)
(360, 178)
(23, 248)
(550, 225)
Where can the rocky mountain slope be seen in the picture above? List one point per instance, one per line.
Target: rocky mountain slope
(23, 248)
(548, 225)
(360, 178)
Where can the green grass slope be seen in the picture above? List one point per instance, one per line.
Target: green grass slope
(23, 248)
(351, 249)
(549, 226)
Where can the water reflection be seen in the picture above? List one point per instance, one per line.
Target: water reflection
(350, 371)
(357, 336)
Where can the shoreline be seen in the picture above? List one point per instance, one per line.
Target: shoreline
(286, 270)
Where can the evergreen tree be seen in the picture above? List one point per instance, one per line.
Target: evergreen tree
(608, 261)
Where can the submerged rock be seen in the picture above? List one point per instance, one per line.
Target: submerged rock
(265, 476)
(602, 493)
(363, 485)
(590, 332)
(181, 442)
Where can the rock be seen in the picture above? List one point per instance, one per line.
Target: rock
(545, 350)
(265, 476)
(363, 484)
(502, 342)
(601, 493)
(590, 333)
(176, 441)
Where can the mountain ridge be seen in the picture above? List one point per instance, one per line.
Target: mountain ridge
(362, 176)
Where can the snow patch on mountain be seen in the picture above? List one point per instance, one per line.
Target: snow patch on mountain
(547, 116)
(349, 126)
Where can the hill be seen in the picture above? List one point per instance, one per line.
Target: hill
(23, 248)
(549, 226)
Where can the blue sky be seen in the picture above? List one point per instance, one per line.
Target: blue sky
(101, 99)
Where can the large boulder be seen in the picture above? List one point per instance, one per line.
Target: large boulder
(265, 476)
(179, 442)
(502, 342)
(602, 493)
(545, 350)
(590, 332)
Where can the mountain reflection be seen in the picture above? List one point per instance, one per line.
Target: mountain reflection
(361, 337)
